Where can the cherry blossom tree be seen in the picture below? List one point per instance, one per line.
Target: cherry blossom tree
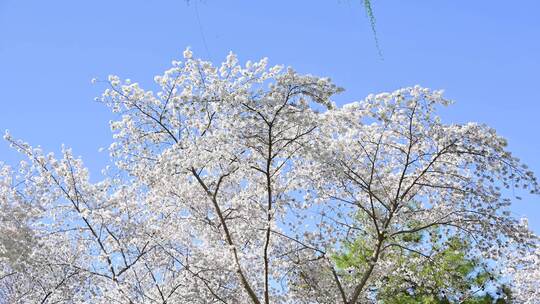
(526, 285)
(525, 271)
(240, 183)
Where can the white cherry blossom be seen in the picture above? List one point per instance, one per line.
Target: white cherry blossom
(238, 183)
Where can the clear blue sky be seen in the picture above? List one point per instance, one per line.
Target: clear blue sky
(485, 54)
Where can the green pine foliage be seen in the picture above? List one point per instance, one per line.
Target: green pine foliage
(448, 269)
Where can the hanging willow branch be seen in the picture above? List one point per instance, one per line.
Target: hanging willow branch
(372, 21)
(369, 13)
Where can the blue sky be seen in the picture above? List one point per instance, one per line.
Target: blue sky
(485, 54)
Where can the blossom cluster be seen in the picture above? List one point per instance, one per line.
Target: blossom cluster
(241, 183)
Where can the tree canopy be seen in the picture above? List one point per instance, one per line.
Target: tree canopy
(247, 184)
